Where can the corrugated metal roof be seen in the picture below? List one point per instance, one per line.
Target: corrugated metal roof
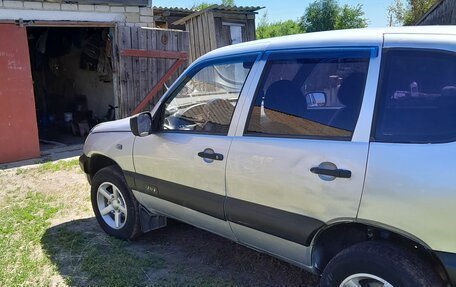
(212, 7)
(236, 8)
(174, 9)
(221, 8)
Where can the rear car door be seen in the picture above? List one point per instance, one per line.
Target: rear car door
(299, 161)
(180, 170)
(411, 159)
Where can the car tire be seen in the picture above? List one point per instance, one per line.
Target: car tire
(379, 262)
(115, 208)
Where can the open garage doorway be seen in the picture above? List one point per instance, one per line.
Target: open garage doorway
(72, 81)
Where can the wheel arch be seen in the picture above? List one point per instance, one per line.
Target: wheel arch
(98, 161)
(334, 238)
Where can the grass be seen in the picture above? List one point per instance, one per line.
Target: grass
(22, 224)
(49, 237)
(58, 165)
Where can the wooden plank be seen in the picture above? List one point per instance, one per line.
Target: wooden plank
(152, 63)
(200, 36)
(68, 24)
(115, 69)
(158, 86)
(143, 68)
(251, 30)
(124, 41)
(207, 39)
(161, 64)
(174, 48)
(135, 69)
(218, 27)
(212, 37)
(196, 31)
(190, 50)
(154, 54)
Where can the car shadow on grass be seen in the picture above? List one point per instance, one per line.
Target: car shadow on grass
(177, 255)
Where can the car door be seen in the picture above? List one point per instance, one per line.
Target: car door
(299, 161)
(411, 164)
(180, 170)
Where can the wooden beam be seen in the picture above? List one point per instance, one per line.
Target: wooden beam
(154, 54)
(69, 24)
(108, 2)
(158, 86)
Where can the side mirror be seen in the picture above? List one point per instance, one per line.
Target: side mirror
(316, 99)
(141, 125)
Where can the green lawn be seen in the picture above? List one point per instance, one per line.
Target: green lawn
(49, 237)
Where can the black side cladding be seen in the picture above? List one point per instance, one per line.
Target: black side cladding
(283, 224)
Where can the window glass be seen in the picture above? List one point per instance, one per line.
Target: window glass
(417, 97)
(309, 96)
(206, 102)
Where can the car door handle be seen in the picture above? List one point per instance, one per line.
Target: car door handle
(211, 155)
(342, 173)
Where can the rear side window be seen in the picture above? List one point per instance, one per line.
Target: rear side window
(314, 95)
(417, 97)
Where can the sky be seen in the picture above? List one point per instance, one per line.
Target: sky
(277, 10)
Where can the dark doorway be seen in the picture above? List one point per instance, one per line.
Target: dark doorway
(72, 82)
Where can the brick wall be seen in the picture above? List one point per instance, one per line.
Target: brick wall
(443, 13)
(127, 15)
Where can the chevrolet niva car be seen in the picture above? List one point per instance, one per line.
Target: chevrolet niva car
(333, 151)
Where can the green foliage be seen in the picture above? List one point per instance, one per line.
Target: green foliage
(325, 15)
(228, 2)
(203, 5)
(408, 13)
(281, 28)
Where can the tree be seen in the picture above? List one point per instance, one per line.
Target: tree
(408, 13)
(276, 29)
(228, 2)
(203, 5)
(324, 15)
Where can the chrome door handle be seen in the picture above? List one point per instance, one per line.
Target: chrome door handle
(342, 173)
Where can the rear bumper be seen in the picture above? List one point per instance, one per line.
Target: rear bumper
(449, 263)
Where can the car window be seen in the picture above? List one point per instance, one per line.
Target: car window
(417, 97)
(207, 101)
(316, 96)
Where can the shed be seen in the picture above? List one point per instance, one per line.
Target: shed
(218, 26)
(164, 17)
(69, 65)
(443, 12)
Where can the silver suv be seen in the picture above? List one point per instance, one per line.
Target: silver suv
(333, 151)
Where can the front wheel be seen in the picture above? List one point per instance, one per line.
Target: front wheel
(378, 264)
(114, 206)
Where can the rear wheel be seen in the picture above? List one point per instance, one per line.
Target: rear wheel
(379, 264)
(114, 206)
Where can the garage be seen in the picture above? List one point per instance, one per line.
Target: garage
(72, 82)
(66, 67)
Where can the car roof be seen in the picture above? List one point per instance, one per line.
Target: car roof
(337, 38)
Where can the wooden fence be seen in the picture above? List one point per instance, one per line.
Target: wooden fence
(147, 60)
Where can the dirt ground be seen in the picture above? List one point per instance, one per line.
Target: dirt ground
(66, 247)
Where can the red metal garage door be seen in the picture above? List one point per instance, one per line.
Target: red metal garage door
(18, 128)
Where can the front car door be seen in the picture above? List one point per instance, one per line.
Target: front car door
(180, 170)
(299, 162)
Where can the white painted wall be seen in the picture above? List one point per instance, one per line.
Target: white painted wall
(49, 11)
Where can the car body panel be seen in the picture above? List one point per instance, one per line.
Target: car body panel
(413, 180)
